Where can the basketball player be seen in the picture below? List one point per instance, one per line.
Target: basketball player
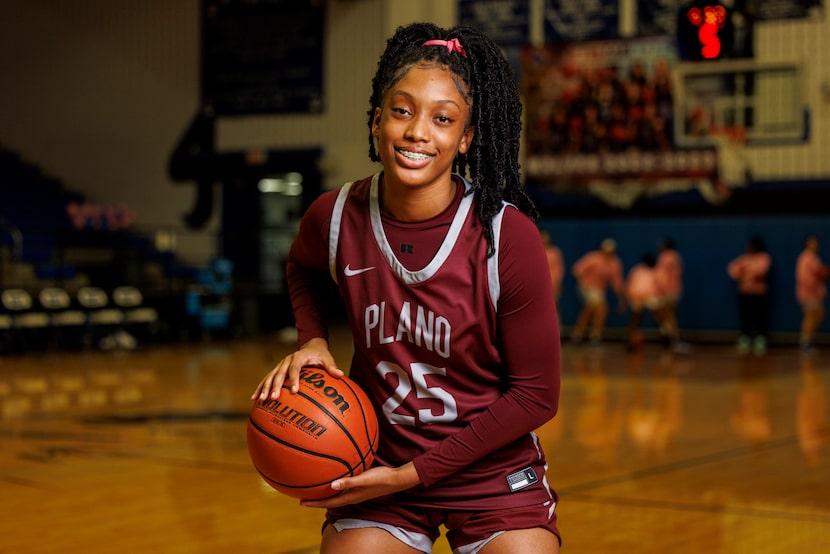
(595, 272)
(669, 268)
(811, 290)
(642, 291)
(445, 286)
(750, 271)
(556, 263)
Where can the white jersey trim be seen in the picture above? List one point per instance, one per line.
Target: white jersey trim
(421, 275)
(493, 280)
(334, 227)
(414, 277)
(412, 539)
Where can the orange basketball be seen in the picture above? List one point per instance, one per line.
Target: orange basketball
(300, 443)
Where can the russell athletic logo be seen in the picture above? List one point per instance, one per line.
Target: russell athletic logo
(349, 272)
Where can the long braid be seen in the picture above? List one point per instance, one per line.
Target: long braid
(492, 161)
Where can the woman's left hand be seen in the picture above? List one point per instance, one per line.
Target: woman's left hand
(374, 482)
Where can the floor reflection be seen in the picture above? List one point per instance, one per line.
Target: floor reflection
(692, 451)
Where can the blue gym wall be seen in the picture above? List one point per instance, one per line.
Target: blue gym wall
(707, 244)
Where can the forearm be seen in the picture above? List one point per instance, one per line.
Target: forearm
(507, 420)
(529, 331)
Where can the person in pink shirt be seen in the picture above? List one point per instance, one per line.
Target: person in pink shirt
(669, 268)
(642, 291)
(556, 264)
(750, 271)
(595, 272)
(810, 289)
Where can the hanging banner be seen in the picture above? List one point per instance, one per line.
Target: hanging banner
(657, 17)
(504, 21)
(787, 9)
(577, 20)
(248, 67)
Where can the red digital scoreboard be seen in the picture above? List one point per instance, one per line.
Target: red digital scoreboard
(711, 30)
(709, 20)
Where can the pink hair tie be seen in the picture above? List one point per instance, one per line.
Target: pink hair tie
(453, 45)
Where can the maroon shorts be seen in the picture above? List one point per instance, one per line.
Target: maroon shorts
(418, 526)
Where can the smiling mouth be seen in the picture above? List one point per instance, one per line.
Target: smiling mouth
(414, 156)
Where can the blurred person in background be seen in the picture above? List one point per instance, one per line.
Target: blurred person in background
(750, 271)
(642, 292)
(556, 264)
(669, 268)
(810, 290)
(595, 273)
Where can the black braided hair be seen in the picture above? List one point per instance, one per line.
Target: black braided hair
(492, 161)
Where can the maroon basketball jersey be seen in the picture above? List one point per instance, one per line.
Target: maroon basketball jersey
(425, 347)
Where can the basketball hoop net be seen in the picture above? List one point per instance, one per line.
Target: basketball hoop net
(733, 167)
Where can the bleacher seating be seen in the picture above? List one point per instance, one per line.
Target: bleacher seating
(41, 222)
(52, 239)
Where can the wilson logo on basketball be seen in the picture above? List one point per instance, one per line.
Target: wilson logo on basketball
(318, 381)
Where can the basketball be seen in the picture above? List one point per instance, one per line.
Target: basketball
(300, 443)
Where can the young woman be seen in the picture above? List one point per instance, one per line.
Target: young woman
(446, 289)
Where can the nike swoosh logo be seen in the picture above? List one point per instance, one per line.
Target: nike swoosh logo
(349, 272)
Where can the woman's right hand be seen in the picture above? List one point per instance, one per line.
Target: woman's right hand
(287, 372)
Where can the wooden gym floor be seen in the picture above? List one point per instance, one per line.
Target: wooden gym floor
(144, 451)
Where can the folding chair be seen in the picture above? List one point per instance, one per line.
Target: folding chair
(103, 320)
(30, 324)
(140, 320)
(67, 323)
